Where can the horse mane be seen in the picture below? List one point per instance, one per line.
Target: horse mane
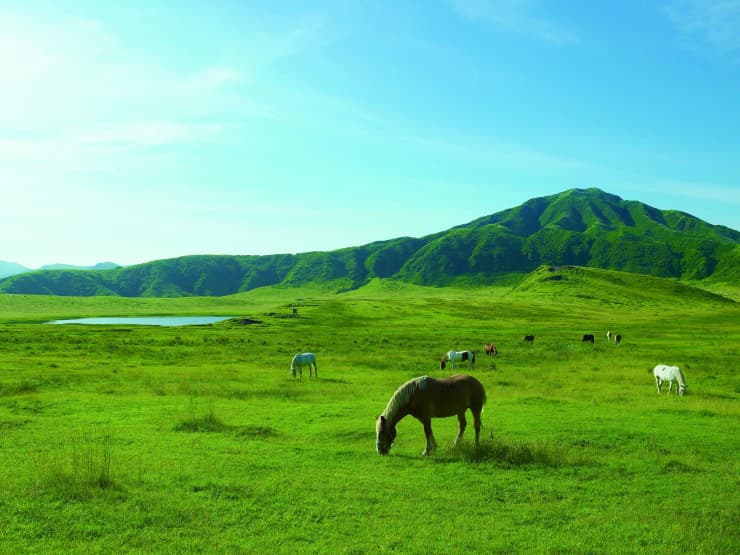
(681, 379)
(403, 395)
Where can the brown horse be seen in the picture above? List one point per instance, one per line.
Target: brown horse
(491, 349)
(529, 338)
(425, 398)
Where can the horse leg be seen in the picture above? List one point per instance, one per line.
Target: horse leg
(476, 424)
(461, 423)
(657, 384)
(670, 386)
(431, 443)
(315, 370)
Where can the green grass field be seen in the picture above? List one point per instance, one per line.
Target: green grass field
(140, 439)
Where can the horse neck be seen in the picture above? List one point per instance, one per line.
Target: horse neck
(395, 416)
(679, 377)
(398, 405)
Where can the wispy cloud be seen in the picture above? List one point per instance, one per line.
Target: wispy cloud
(701, 191)
(714, 22)
(519, 17)
(77, 95)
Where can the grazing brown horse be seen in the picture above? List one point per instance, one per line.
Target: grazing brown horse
(529, 338)
(425, 398)
(618, 338)
(588, 338)
(491, 349)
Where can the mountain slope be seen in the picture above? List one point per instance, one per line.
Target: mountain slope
(577, 227)
(611, 287)
(11, 269)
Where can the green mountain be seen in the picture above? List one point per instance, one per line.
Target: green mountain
(577, 227)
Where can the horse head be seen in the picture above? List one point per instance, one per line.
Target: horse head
(385, 435)
(443, 362)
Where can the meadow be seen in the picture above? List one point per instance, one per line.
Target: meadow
(196, 439)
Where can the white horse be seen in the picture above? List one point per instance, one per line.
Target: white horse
(301, 360)
(669, 374)
(609, 335)
(457, 356)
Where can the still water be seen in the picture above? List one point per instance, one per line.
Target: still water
(147, 321)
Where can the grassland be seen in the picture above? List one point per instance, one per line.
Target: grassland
(133, 439)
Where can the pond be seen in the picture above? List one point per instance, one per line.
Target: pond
(146, 321)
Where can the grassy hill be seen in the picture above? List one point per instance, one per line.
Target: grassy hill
(587, 228)
(609, 287)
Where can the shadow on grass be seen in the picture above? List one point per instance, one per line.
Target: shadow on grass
(206, 421)
(513, 453)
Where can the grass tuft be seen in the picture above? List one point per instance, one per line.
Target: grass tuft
(517, 453)
(201, 422)
(83, 470)
(21, 388)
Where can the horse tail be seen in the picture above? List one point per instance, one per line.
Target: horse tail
(483, 396)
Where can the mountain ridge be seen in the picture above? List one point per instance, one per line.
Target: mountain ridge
(580, 227)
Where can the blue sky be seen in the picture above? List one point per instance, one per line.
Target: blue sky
(140, 130)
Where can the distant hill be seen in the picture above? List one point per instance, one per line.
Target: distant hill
(98, 266)
(11, 269)
(588, 228)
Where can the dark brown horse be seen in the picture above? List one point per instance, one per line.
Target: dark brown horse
(425, 398)
(618, 338)
(588, 338)
(529, 338)
(491, 349)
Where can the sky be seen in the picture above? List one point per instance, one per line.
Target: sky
(146, 129)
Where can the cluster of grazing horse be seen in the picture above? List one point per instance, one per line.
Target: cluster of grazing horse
(425, 398)
(589, 338)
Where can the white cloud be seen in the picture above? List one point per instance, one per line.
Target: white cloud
(702, 191)
(714, 22)
(517, 17)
